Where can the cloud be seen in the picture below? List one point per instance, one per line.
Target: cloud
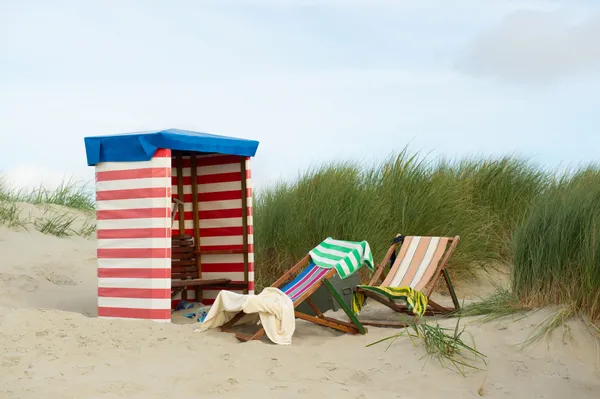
(536, 46)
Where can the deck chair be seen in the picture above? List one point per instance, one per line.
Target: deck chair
(299, 289)
(418, 265)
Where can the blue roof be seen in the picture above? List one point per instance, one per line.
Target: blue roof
(141, 146)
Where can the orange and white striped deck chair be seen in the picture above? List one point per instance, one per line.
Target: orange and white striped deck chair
(419, 264)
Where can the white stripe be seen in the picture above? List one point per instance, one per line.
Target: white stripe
(114, 243)
(333, 252)
(210, 170)
(344, 244)
(225, 240)
(134, 263)
(216, 205)
(135, 203)
(234, 276)
(132, 319)
(212, 187)
(109, 282)
(134, 303)
(320, 259)
(410, 253)
(130, 184)
(213, 223)
(142, 223)
(433, 245)
(158, 162)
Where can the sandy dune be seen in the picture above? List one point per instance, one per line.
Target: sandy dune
(54, 347)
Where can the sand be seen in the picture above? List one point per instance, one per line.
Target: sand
(53, 346)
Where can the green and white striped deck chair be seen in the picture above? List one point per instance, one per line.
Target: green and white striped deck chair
(416, 268)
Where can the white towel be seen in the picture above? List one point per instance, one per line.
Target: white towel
(274, 308)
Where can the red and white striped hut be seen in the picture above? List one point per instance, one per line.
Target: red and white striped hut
(174, 220)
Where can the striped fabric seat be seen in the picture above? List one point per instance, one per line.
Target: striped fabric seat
(416, 263)
(306, 279)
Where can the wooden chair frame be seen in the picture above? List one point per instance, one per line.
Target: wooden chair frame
(352, 328)
(433, 308)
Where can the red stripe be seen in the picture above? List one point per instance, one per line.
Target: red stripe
(145, 293)
(141, 213)
(134, 273)
(155, 192)
(131, 313)
(215, 214)
(234, 247)
(145, 173)
(134, 233)
(210, 161)
(129, 253)
(209, 179)
(162, 153)
(220, 231)
(218, 196)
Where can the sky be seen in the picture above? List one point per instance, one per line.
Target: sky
(313, 81)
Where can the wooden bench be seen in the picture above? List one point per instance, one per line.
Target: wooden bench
(184, 268)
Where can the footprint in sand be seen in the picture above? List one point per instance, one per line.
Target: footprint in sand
(19, 281)
(53, 276)
(330, 366)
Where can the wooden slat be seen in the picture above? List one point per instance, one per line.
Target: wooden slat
(199, 282)
(182, 243)
(327, 323)
(184, 237)
(222, 252)
(188, 262)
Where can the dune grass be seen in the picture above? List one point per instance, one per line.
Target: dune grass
(480, 200)
(556, 249)
(61, 222)
(70, 193)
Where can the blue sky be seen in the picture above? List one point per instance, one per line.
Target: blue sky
(314, 81)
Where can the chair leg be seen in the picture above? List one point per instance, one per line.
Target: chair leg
(345, 307)
(329, 322)
(248, 337)
(451, 289)
(232, 322)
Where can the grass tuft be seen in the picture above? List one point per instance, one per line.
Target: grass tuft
(56, 224)
(10, 214)
(444, 344)
(502, 303)
(69, 194)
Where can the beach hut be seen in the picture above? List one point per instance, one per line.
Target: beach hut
(174, 220)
